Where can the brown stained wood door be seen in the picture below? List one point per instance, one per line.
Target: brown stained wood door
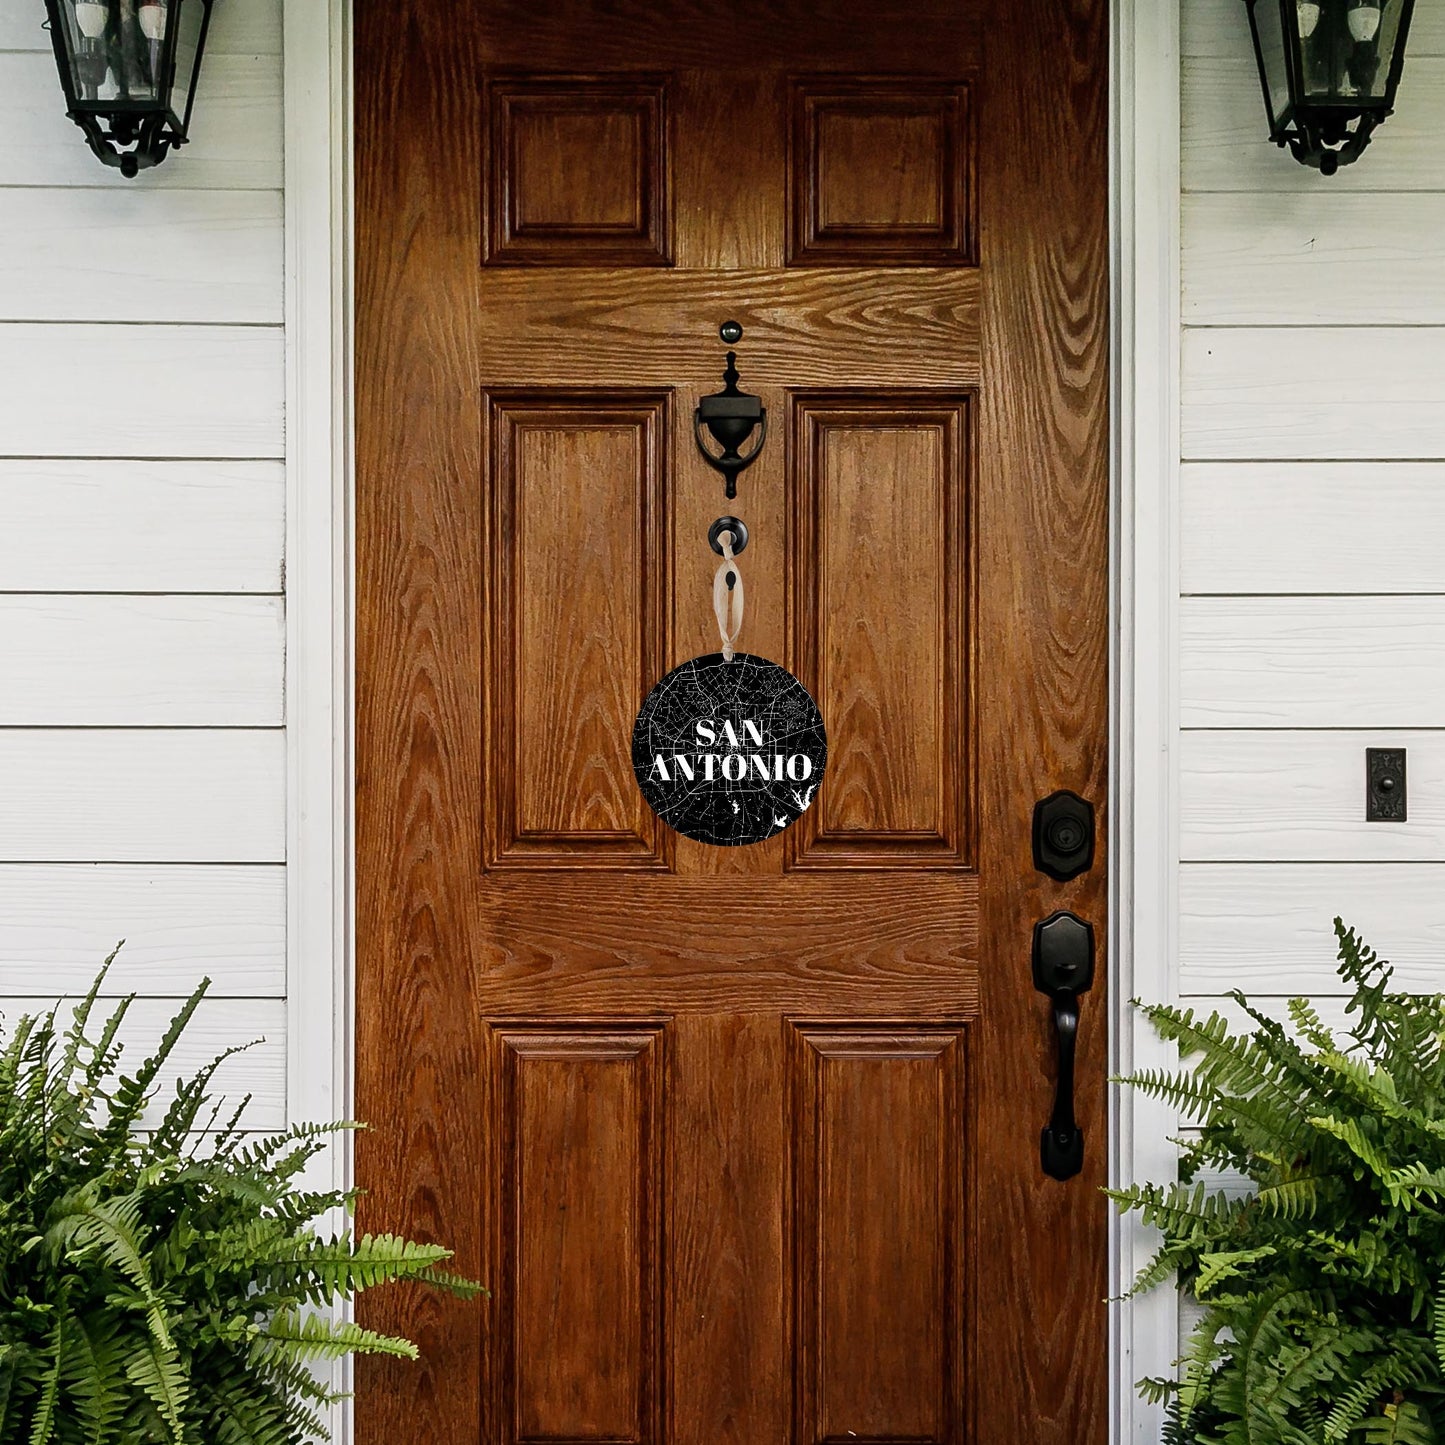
(744, 1141)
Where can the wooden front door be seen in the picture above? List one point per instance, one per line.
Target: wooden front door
(745, 1142)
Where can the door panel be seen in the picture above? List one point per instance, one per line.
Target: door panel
(879, 1232)
(881, 565)
(580, 1178)
(745, 1141)
(561, 715)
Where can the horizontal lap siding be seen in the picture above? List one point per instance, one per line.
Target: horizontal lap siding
(1312, 512)
(142, 617)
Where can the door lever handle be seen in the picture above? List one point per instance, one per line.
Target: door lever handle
(1063, 963)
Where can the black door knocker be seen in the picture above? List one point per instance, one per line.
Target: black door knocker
(731, 416)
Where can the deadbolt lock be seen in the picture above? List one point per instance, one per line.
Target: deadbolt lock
(1063, 835)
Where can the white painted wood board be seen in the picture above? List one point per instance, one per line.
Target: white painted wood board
(1301, 258)
(1225, 144)
(127, 661)
(1268, 927)
(94, 795)
(1281, 527)
(1221, 28)
(187, 526)
(236, 132)
(1300, 393)
(218, 1024)
(218, 391)
(80, 254)
(1312, 662)
(180, 924)
(1300, 797)
(238, 27)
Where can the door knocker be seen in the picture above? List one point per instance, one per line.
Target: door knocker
(731, 416)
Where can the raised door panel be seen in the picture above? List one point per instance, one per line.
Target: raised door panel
(880, 173)
(576, 1339)
(879, 1233)
(578, 172)
(880, 574)
(575, 505)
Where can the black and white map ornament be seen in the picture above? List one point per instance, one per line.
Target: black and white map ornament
(729, 751)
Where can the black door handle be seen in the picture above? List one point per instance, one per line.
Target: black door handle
(1063, 969)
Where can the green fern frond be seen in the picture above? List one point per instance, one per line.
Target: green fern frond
(94, 1373)
(1291, 1199)
(158, 1372)
(113, 1228)
(1310, 1026)
(42, 1426)
(1227, 1264)
(313, 1337)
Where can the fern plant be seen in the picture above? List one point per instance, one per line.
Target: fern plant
(1321, 1284)
(162, 1282)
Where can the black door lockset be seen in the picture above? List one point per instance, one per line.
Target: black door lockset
(1063, 835)
(1063, 969)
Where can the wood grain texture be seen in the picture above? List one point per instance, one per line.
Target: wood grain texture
(1293, 393)
(560, 726)
(84, 661)
(578, 171)
(218, 1024)
(224, 391)
(1225, 144)
(722, 952)
(1042, 685)
(188, 526)
(1300, 797)
(75, 254)
(804, 328)
(91, 795)
(1269, 260)
(579, 1220)
(235, 139)
(180, 924)
(882, 637)
(895, 38)
(1326, 527)
(420, 602)
(879, 1232)
(880, 172)
(1267, 929)
(1312, 662)
(1221, 28)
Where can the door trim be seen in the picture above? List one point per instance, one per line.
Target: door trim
(1144, 488)
(1144, 333)
(320, 957)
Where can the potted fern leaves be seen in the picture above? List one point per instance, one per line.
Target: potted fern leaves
(1320, 1273)
(162, 1277)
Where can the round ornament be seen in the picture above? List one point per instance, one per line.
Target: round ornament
(729, 751)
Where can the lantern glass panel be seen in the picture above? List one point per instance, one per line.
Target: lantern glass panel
(190, 25)
(1345, 58)
(115, 62)
(1268, 19)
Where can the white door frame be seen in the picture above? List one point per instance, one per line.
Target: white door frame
(1144, 250)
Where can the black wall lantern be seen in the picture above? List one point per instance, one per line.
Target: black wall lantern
(1330, 69)
(129, 68)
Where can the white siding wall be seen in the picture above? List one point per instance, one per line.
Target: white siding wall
(142, 517)
(1312, 527)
